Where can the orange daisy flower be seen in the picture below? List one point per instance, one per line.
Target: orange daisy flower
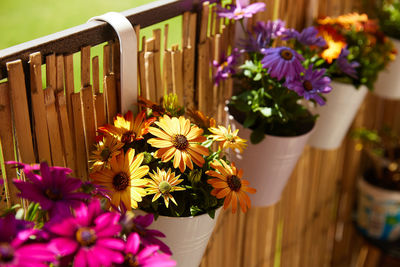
(124, 179)
(128, 129)
(106, 148)
(228, 184)
(227, 138)
(200, 119)
(334, 41)
(179, 140)
(157, 109)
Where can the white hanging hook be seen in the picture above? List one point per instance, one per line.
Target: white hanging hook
(128, 50)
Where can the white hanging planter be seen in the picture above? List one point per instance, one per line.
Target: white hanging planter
(388, 83)
(378, 213)
(269, 164)
(336, 116)
(187, 237)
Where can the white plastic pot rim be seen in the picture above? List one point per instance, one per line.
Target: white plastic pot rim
(377, 192)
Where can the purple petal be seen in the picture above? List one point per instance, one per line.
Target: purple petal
(111, 243)
(64, 246)
(132, 243)
(81, 259)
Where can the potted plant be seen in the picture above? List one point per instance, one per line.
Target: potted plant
(355, 53)
(182, 179)
(378, 213)
(68, 224)
(269, 102)
(388, 83)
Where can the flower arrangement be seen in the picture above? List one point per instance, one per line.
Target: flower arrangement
(165, 164)
(274, 78)
(383, 150)
(358, 39)
(67, 224)
(389, 17)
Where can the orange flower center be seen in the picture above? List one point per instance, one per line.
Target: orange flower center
(307, 85)
(180, 142)
(53, 194)
(130, 260)
(234, 183)
(86, 236)
(120, 181)
(128, 137)
(6, 253)
(105, 154)
(286, 54)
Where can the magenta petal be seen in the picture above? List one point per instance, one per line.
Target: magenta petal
(67, 227)
(32, 192)
(111, 243)
(80, 259)
(155, 233)
(64, 246)
(147, 251)
(111, 230)
(39, 252)
(132, 243)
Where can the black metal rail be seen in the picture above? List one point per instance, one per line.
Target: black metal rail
(94, 33)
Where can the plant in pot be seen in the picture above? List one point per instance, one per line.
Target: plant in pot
(272, 88)
(166, 164)
(67, 223)
(378, 214)
(388, 83)
(356, 51)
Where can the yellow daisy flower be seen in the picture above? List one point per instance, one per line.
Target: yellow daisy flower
(179, 140)
(128, 129)
(106, 149)
(162, 183)
(228, 184)
(227, 138)
(200, 119)
(124, 179)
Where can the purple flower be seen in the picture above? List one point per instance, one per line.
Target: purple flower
(282, 62)
(139, 225)
(264, 33)
(239, 12)
(308, 36)
(89, 236)
(226, 66)
(311, 84)
(144, 256)
(15, 250)
(53, 190)
(345, 66)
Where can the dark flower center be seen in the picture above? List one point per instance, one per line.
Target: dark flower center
(230, 138)
(6, 253)
(53, 194)
(307, 85)
(131, 260)
(86, 236)
(128, 137)
(157, 109)
(105, 154)
(120, 181)
(139, 229)
(180, 142)
(286, 54)
(234, 183)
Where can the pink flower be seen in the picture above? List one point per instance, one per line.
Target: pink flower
(239, 12)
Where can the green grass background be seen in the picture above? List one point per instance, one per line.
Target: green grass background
(25, 20)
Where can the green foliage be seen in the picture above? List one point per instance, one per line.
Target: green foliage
(389, 17)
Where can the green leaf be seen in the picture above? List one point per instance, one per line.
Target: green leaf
(267, 112)
(211, 213)
(194, 210)
(257, 136)
(250, 120)
(257, 77)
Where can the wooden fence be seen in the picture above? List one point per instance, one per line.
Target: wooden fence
(312, 224)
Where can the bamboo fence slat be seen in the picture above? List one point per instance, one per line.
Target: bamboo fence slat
(51, 71)
(60, 73)
(111, 103)
(89, 116)
(7, 143)
(39, 109)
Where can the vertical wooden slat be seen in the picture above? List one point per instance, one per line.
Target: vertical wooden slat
(157, 63)
(69, 85)
(89, 116)
(67, 140)
(177, 74)
(150, 76)
(111, 103)
(20, 111)
(39, 108)
(60, 73)
(54, 128)
(51, 71)
(189, 62)
(96, 75)
(99, 97)
(80, 146)
(85, 66)
(7, 145)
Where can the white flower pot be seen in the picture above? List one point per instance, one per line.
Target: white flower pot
(269, 164)
(187, 237)
(388, 83)
(378, 213)
(336, 116)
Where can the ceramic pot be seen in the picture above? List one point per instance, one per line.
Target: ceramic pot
(269, 164)
(378, 212)
(336, 116)
(388, 83)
